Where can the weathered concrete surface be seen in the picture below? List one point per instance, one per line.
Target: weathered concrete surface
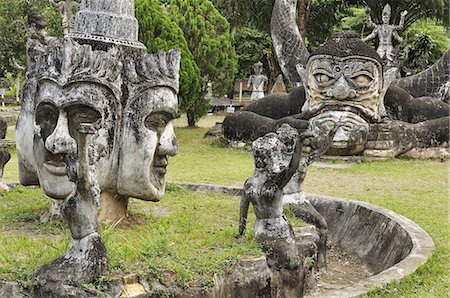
(434, 81)
(232, 191)
(391, 244)
(10, 290)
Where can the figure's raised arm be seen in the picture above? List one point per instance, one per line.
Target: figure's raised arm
(396, 36)
(370, 23)
(402, 20)
(371, 35)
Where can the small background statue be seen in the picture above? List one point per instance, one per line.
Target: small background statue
(386, 32)
(258, 81)
(67, 10)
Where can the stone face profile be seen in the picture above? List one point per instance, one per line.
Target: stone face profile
(95, 128)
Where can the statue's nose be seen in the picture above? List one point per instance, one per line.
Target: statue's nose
(341, 90)
(60, 141)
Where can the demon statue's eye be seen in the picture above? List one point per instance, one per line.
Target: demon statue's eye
(362, 80)
(322, 78)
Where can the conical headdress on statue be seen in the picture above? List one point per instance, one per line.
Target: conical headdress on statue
(387, 10)
(107, 21)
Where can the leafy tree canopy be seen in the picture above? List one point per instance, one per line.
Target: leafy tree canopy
(252, 45)
(159, 33)
(13, 27)
(208, 36)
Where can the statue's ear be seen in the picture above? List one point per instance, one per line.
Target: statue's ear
(388, 77)
(301, 70)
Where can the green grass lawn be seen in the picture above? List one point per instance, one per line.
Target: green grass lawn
(196, 235)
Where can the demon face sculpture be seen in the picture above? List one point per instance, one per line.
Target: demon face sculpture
(343, 82)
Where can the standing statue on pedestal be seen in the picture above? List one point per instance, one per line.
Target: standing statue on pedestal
(258, 80)
(385, 33)
(66, 10)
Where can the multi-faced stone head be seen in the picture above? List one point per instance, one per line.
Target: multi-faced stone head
(74, 85)
(344, 83)
(103, 76)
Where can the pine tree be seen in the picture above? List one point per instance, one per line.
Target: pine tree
(159, 33)
(208, 36)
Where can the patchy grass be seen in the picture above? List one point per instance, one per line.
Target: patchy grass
(197, 238)
(194, 235)
(198, 161)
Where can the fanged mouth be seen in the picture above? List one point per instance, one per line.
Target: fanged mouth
(350, 109)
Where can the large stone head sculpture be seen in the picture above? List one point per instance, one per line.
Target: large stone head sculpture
(148, 137)
(100, 74)
(343, 81)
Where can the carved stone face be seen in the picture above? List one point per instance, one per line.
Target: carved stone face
(386, 18)
(147, 141)
(273, 152)
(347, 84)
(350, 138)
(59, 111)
(258, 68)
(350, 84)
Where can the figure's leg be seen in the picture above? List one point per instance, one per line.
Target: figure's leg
(306, 212)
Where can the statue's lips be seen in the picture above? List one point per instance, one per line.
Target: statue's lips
(56, 168)
(160, 165)
(350, 109)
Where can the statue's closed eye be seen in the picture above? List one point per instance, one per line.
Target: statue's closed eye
(81, 114)
(158, 121)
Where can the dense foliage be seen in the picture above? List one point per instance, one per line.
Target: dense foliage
(13, 25)
(208, 36)
(159, 33)
(425, 42)
(251, 45)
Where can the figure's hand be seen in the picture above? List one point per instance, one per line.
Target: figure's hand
(403, 13)
(300, 124)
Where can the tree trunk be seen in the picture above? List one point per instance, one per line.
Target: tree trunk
(303, 12)
(190, 118)
(274, 68)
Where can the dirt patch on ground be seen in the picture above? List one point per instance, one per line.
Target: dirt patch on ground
(342, 270)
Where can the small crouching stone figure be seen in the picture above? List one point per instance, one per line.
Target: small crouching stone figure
(86, 260)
